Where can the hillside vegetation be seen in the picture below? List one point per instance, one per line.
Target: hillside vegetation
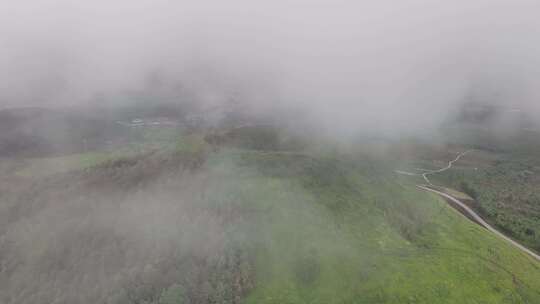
(237, 220)
(505, 193)
(499, 178)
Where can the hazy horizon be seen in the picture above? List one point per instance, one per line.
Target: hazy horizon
(372, 65)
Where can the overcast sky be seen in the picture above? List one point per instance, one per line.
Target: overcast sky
(374, 61)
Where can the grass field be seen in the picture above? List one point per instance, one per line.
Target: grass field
(355, 235)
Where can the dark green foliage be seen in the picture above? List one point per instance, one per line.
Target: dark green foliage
(139, 225)
(468, 189)
(258, 137)
(411, 223)
(307, 268)
(329, 179)
(504, 193)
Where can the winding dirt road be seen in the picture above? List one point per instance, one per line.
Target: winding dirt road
(464, 207)
(429, 172)
(481, 222)
(450, 164)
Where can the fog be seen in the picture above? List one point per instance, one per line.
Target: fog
(133, 229)
(371, 64)
(103, 240)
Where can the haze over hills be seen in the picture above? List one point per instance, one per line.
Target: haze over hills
(255, 213)
(173, 152)
(401, 67)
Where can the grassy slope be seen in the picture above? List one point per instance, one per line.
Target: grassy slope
(502, 175)
(357, 236)
(323, 230)
(506, 195)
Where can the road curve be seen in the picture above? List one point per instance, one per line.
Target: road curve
(429, 172)
(464, 207)
(450, 164)
(480, 221)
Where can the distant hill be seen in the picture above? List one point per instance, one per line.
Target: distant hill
(35, 131)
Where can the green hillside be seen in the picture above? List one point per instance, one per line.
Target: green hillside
(232, 225)
(358, 236)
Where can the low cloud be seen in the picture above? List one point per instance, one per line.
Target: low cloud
(354, 64)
